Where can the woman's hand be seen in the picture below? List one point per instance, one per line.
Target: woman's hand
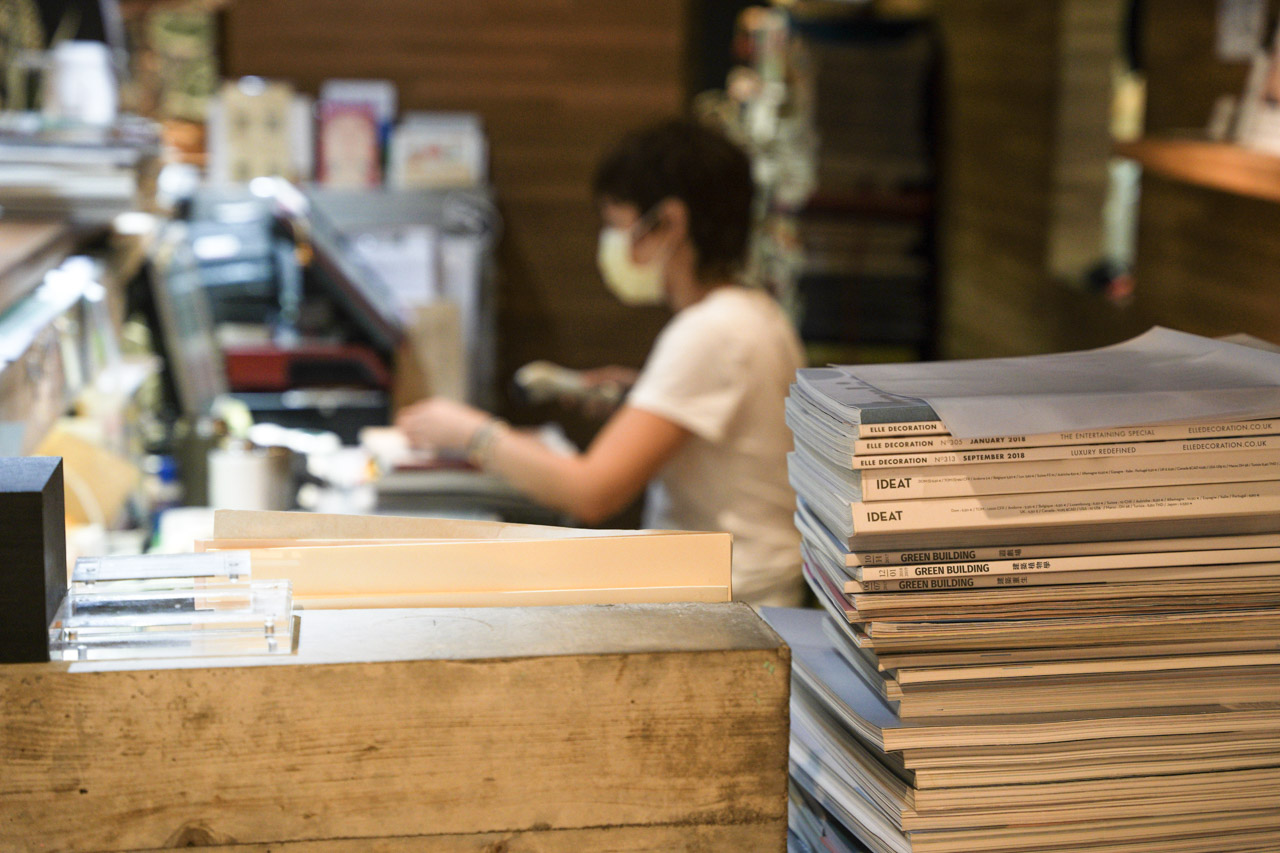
(604, 390)
(440, 423)
(620, 377)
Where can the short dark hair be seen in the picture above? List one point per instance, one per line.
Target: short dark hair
(684, 159)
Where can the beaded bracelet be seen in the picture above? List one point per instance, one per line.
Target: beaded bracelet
(480, 447)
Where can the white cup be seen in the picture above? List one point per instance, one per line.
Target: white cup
(257, 478)
(79, 84)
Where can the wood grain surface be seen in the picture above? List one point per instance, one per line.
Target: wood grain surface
(423, 754)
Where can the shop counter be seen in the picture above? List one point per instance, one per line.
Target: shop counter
(628, 727)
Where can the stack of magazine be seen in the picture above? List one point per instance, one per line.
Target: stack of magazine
(1050, 641)
(86, 175)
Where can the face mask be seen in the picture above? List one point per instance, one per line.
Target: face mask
(632, 283)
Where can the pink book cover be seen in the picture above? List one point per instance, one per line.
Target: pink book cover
(347, 150)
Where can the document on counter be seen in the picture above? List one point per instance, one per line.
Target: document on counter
(1161, 376)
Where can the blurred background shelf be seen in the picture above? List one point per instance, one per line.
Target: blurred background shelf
(909, 204)
(28, 250)
(868, 281)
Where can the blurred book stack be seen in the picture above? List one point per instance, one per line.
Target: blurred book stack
(871, 92)
(1045, 642)
(868, 231)
(86, 175)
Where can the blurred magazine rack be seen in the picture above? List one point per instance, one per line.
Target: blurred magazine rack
(56, 343)
(298, 304)
(395, 254)
(194, 373)
(226, 294)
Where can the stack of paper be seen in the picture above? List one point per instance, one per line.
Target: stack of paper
(1066, 638)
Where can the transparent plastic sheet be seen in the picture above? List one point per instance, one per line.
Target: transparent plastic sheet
(172, 617)
(231, 565)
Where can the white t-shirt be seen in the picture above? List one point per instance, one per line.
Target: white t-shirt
(721, 369)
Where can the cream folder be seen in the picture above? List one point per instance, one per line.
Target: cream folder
(440, 562)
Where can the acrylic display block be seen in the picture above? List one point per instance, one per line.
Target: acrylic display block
(172, 617)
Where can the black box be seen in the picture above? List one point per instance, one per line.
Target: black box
(33, 555)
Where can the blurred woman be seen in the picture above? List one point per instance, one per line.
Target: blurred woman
(703, 423)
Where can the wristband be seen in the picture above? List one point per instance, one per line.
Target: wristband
(480, 447)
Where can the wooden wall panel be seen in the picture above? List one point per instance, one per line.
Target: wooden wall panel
(997, 173)
(556, 81)
(1206, 260)
(1184, 78)
(1089, 45)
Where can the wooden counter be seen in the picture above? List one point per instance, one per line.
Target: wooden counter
(630, 727)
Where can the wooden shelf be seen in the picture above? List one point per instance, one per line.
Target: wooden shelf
(28, 250)
(1216, 165)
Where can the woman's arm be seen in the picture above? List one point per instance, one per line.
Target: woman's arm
(631, 448)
